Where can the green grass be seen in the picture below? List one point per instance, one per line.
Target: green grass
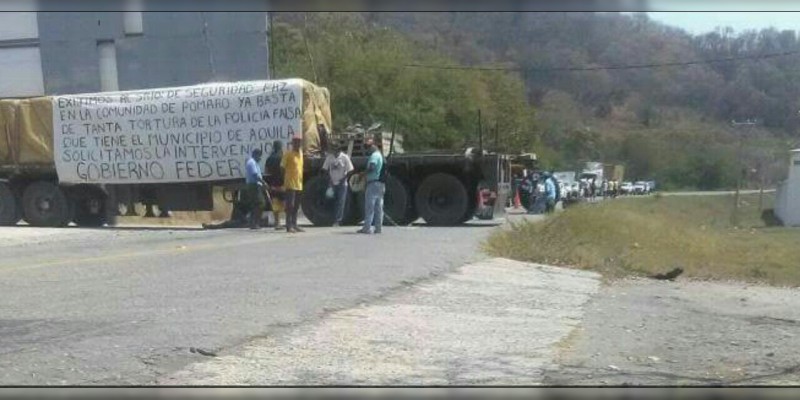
(639, 237)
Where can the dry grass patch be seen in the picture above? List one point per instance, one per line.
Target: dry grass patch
(645, 236)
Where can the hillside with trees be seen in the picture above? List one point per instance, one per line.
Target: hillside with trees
(571, 87)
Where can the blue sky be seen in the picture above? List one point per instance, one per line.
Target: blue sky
(702, 22)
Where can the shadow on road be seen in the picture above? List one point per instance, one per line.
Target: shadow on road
(142, 228)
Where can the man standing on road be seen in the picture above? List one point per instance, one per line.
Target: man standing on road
(550, 193)
(338, 165)
(274, 178)
(253, 191)
(373, 195)
(292, 165)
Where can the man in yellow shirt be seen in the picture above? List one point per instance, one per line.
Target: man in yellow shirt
(292, 164)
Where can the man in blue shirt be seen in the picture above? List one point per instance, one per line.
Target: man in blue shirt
(373, 195)
(254, 193)
(550, 192)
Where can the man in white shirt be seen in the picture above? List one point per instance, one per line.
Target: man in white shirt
(338, 165)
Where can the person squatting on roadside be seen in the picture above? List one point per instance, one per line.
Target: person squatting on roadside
(274, 178)
(534, 194)
(254, 189)
(292, 164)
(337, 164)
(373, 195)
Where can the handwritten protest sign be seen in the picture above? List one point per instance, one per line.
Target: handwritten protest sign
(183, 134)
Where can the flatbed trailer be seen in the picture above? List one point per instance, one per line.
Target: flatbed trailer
(443, 189)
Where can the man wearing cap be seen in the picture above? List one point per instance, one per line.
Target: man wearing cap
(337, 164)
(292, 164)
(254, 189)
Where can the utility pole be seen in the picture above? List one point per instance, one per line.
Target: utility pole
(480, 132)
(760, 185)
(749, 123)
(270, 47)
(308, 48)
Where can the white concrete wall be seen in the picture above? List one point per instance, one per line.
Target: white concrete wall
(787, 204)
(18, 25)
(132, 22)
(107, 55)
(20, 58)
(21, 72)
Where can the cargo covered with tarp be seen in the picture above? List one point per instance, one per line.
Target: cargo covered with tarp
(44, 131)
(26, 131)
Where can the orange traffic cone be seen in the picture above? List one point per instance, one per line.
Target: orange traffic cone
(517, 203)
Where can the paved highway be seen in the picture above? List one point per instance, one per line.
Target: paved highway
(124, 306)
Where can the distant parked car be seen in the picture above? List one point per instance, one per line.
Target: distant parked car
(651, 186)
(626, 188)
(576, 189)
(563, 188)
(640, 188)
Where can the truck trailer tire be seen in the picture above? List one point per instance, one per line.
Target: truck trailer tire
(397, 193)
(397, 202)
(45, 204)
(90, 207)
(9, 209)
(472, 207)
(442, 200)
(319, 209)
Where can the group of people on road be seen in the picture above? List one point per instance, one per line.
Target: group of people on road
(540, 191)
(592, 188)
(280, 186)
(610, 188)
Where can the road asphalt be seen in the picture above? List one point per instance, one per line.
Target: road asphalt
(494, 322)
(414, 306)
(125, 306)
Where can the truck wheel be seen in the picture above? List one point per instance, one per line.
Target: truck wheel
(90, 208)
(469, 215)
(412, 216)
(319, 209)
(110, 206)
(442, 200)
(397, 202)
(9, 209)
(472, 207)
(355, 214)
(45, 204)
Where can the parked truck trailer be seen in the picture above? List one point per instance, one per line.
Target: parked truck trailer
(76, 158)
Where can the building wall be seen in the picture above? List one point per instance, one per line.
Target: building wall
(20, 59)
(787, 205)
(172, 49)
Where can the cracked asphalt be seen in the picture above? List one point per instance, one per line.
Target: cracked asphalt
(124, 306)
(494, 322)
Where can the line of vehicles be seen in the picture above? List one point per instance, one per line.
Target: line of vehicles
(602, 180)
(595, 180)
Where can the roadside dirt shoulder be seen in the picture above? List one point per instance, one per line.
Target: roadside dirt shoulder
(494, 322)
(644, 332)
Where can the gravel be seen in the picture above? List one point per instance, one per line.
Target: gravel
(490, 323)
(684, 333)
